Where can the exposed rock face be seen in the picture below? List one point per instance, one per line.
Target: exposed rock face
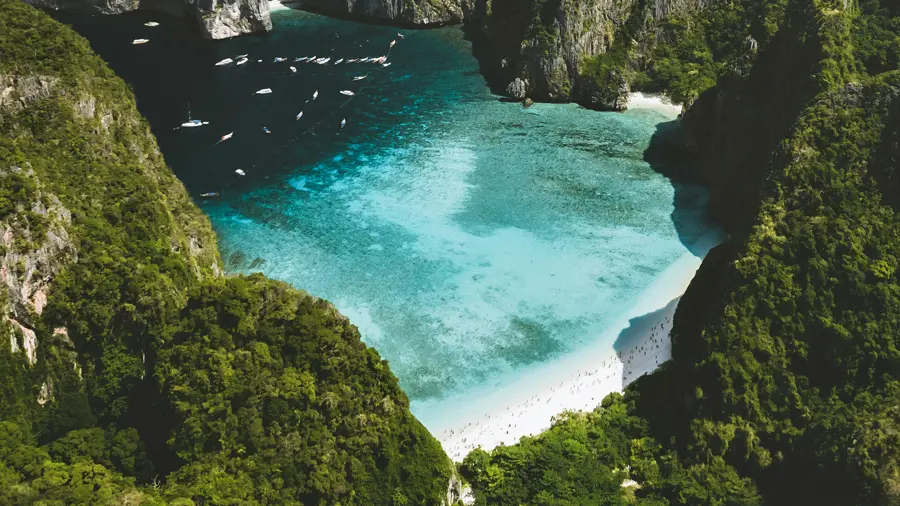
(550, 52)
(218, 19)
(221, 19)
(404, 12)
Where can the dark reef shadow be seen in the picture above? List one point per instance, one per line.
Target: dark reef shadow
(636, 329)
(666, 155)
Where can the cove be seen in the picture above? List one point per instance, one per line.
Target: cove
(472, 241)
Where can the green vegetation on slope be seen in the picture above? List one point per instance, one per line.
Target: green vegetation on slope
(786, 370)
(155, 380)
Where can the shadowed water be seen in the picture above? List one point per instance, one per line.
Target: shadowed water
(468, 238)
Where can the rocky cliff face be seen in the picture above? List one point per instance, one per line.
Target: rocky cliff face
(218, 19)
(542, 50)
(402, 12)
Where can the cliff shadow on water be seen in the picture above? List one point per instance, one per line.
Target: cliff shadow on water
(690, 215)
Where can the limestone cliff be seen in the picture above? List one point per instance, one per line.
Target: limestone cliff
(401, 12)
(541, 49)
(218, 19)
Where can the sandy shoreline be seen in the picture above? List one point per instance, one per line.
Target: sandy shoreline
(578, 381)
(276, 5)
(638, 100)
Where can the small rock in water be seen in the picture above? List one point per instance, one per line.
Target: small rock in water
(528, 102)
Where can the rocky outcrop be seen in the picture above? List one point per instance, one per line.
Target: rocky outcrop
(549, 46)
(401, 12)
(34, 247)
(218, 19)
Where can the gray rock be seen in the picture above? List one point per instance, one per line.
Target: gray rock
(218, 19)
(517, 88)
(405, 12)
(551, 51)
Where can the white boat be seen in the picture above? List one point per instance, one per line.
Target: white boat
(293, 68)
(226, 61)
(392, 43)
(388, 64)
(264, 91)
(266, 130)
(347, 92)
(351, 60)
(151, 23)
(140, 41)
(323, 61)
(299, 59)
(192, 123)
(363, 60)
(339, 61)
(315, 94)
(226, 137)
(299, 115)
(242, 56)
(359, 78)
(400, 35)
(239, 172)
(343, 122)
(209, 194)
(258, 61)
(242, 61)
(278, 59)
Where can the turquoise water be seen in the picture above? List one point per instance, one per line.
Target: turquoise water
(469, 239)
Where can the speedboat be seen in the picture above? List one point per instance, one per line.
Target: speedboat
(293, 68)
(339, 61)
(299, 114)
(151, 23)
(347, 92)
(209, 194)
(226, 61)
(140, 41)
(239, 172)
(242, 61)
(264, 91)
(359, 78)
(278, 59)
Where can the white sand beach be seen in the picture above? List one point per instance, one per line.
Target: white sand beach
(275, 5)
(638, 100)
(578, 381)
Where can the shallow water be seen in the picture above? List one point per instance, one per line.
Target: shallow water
(469, 239)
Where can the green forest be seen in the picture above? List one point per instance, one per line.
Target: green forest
(784, 388)
(138, 373)
(156, 380)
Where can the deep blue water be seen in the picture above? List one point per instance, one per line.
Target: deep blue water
(468, 238)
